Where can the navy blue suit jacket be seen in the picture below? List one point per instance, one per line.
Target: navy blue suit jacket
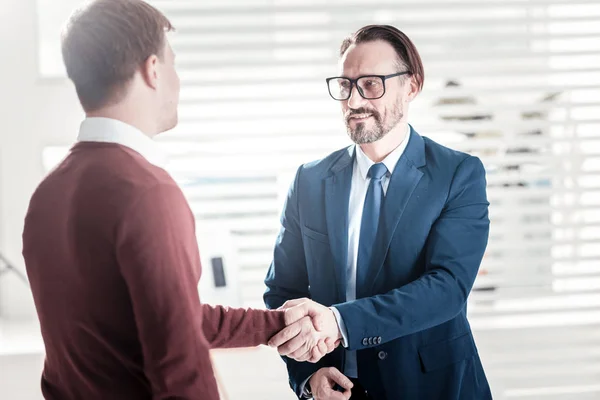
(411, 332)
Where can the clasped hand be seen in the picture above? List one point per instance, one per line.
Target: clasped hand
(311, 331)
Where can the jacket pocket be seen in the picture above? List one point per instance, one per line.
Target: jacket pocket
(319, 237)
(443, 354)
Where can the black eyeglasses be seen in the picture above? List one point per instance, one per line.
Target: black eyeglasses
(370, 87)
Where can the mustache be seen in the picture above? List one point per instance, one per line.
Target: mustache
(350, 113)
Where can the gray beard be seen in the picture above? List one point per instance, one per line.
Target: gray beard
(361, 135)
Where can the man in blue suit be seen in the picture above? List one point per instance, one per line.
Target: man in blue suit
(386, 238)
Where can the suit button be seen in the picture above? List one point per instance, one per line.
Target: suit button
(371, 341)
(382, 355)
(365, 341)
(379, 340)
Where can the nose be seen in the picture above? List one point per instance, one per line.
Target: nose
(355, 100)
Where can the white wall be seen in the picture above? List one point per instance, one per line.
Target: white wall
(34, 113)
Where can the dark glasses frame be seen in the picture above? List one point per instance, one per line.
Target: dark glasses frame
(354, 82)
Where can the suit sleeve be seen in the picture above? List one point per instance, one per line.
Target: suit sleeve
(287, 279)
(158, 256)
(454, 250)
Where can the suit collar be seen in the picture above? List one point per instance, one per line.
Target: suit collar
(415, 150)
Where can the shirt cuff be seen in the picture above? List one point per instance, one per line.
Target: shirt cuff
(341, 326)
(306, 394)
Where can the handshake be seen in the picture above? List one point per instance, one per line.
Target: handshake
(311, 331)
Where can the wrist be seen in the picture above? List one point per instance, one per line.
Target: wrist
(338, 335)
(308, 386)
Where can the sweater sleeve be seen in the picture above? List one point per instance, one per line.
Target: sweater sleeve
(226, 327)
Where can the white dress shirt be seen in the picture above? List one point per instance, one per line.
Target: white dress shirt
(107, 130)
(358, 192)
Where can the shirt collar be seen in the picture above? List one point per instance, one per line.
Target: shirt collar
(107, 130)
(364, 162)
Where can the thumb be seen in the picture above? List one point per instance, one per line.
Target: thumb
(292, 303)
(295, 313)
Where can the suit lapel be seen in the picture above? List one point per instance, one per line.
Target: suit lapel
(337, 197)
(404, 180)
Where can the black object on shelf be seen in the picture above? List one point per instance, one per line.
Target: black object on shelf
(218, 272)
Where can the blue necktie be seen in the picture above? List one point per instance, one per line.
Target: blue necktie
(368, 226)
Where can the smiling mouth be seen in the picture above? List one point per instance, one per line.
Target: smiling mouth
(359, 117)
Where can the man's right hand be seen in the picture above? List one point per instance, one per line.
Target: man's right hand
(300, 340)
(323, 381)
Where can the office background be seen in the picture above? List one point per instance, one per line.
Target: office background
(514, 82)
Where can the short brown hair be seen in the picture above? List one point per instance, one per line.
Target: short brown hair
(105, 42)
(408, 56)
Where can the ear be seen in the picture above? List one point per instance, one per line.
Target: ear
(150, 71)
(413, 88)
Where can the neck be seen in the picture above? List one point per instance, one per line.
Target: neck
(379, 150)
(128, 114)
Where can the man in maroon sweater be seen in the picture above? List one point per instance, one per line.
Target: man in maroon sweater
(109, 240)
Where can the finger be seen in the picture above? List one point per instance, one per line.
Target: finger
(329, 345)
(300, 354)
(315, 355)
(294, 344)
(285, 335)
(330, 394)
(347, 394)
(340, 379)
(306, 356)
(335, 395)
(318, 352)
(322, 347)
(292, 303)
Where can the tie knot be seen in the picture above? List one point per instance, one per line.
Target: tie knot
(377, 171)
